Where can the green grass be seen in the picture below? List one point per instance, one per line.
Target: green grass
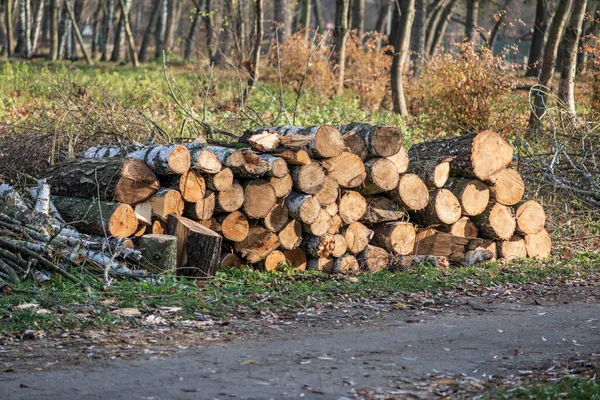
(242, 290)
(571, 388)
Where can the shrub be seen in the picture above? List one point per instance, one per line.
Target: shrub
(463, 90)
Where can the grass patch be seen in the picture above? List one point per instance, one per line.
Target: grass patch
(76, 307)
(567, 388)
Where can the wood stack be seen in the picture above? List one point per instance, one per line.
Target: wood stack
(327, 198)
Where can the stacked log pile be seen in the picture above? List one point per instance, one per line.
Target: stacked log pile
(335, 199)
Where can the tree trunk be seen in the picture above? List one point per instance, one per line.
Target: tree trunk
(417, 36)
(398, 237)
(8, 15)
(306, 14)
(207, 17)
(531, 217)
(78, 33)
(25, 28)
(282, 18)
(471, 34)
(549, 62)
(96, 30)
(352, 206)
(538, 245)
(432, 21)
(161, 29)
(440, 29)
(118, 38)
(497, 26)
(403, 20)
(129, 34)
(143, 53)
(160, 251)
(97, 217)
(507, 187)
(319, 21)
(190, 42)
(382, 176)
(308, 178)
(534, 64)
(254, 71)
(358, 16)
(473, 195)
(303, 207)
(110, 179)
(230, 200)
(107, 27)
(172, 6)
(373, 259)
(37, 25)
(566, 84)
(340, 36)
(224, 44)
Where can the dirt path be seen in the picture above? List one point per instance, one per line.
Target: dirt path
(395, 352)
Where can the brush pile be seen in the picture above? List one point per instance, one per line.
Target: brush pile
(337, 199)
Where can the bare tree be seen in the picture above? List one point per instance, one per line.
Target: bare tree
(96, 29)
(500, 21)
(73, 21)
(566, 84)
(224, 44)
(340, 36)
(190, 41)
(549, 62)
(358, 16)
(161, 28)
(534, 64)
(207, 17)
(128, 33)
(172, 6)
(471, 20)
(306, 13)
(107, 27)
(382, 17)
(25, 28)
(434, 14)
(143, 52)
(440, 28)
(258, 37)
(403, 20)
(319, 21)
(38, 15)
(417, 36)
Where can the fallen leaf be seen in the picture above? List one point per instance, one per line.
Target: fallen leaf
(127, 312)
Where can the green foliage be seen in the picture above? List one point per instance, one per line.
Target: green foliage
(567, 388)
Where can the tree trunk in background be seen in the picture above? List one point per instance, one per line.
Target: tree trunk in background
(382, 18)
(208, 24)
(161, 29)
(403, 20)
(340, 36)
(224, 48)
(586, 30)
(63, 33)
(143, 53)
(128, 33)
(318, 11)
(306, 13)
(190, 42)
(549, 61)
(258, 37)
(534, 64)
(170, 23)
(116, 53)
(471, 20)
(417, 36)
(37, 25)
(25, 23)
(566, 84)
(73, 20)
(96, 29)
(8, 15)
(358, 16)
(440, 30)
(107, 27)
(240, 30)
(282, 18)
(433, 18)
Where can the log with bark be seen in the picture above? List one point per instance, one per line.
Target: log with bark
(512, 248)
(352, 206)
(283, 186)
(443, 208)
(198, 248)
(318, 246)
(329, 193)
(203, 209)
(296, 258)
(433, 172)
(340, 246)
(230, 200)
(507, 187)
(368, 141)
(496, 222)
(373, 259)
(277, 218)
(290, 236)
(347, 169)
(325, 141)
(164, 160)
(320, 226)
(531, 217)
(463, 227)
(274, 261)
(259, 198)
(230, 260)
(160, 251)
(398, 237)
(295, 157)
(277, 165)
(220, 181)
(319, 264)
(477, 155)
(109, 179)
(382, 176)
(97, 217)
(400, 160)
(411, 193)
(303, 207)
(190, 184)
(538, 245)
(346, 264)
(473, 194)
(205, 161)
(308, 178)
(233, 226)
(357, 237)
